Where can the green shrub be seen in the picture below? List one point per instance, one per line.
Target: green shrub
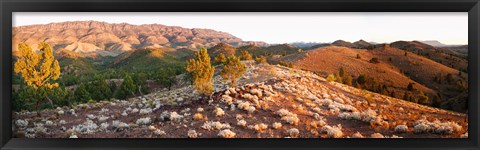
(331, 78)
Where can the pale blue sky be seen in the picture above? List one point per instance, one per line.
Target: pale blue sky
(446, 27)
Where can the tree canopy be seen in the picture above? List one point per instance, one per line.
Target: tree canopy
(201, 72)
(232, 70)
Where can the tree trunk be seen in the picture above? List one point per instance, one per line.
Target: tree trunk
(133, 93)
(49, 100)
(38, 108)
(140, 91)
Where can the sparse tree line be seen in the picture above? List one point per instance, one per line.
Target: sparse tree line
(43, 87)
(372, 84)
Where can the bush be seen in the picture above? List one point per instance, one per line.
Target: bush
(289, 65)
(220, 59)
(423, 99)
(232, 70)
(341, 72)
(127, 88)
(362, 79)
(99, 88)
(437, 101)
(166, 77)
(331, 78)
(356, 85)
(29, 98)
(81, 94)
(245, 55)
(338, 78)
(347, 80)
(410, 87)
(374, 60)
(261, 60)
(140, 82)
(201, 72)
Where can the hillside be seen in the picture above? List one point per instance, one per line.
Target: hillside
(444, 56)
(395, 70)
(362, 44)
(222, 48)
(272, 50)
(92, 36)
(147, 59)
(434, 43)
(270, 102)
(343, 43)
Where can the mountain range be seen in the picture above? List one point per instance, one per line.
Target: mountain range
(112, 39)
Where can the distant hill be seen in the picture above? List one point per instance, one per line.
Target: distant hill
(462, 49)
(92, 36)
(304, 45)
(343, 43)
(444, 56)
(436, 43)
(362, 44)
(222, 48)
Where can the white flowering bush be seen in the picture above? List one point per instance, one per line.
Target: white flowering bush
(192, 134)
(377, 135)
(293, 132)
(437, 127)
(242, 123)
(87, 127)
(143, 121)
(401, 128)
(227, 99)
(145, 111)
(227, 133)
(357, 135)
(256, 92)
(174, 116)
(260, 127)
(119, 124)
(103, 118)
(21, 123)
(159, 132)
(215, 125)
(333, 132)
(218, 112)
(277, 125)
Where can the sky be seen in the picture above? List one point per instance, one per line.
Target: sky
(287, 27)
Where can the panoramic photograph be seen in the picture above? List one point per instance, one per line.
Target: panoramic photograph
(239, 75)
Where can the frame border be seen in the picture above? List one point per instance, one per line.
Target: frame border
(9, 6)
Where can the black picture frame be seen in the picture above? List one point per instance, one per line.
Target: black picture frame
(9, 6)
